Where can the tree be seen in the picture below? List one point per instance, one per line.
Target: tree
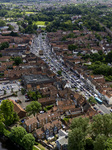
(10, 27)
(17, 61)
(5, 92)
(99, 143)
(108, 144)
(34, 95)
(109, 57)
(59, 72)
(7, 110)
(2, 127)
(33, 108)
(92, 100)
(13, 34)
(23, 91)
(28, 141)
(17, 134)
(89, 143)
(4, 45)
(72, 47)
(2, 23)
(80, 123)
(0, 54)
(102, 124)
(76, 139)
(35, 27)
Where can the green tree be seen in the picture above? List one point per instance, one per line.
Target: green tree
(35, 27)
(2, 23)
(33, 108)
(89, 143)
(0, 54)
(72, 47)
(2, 127)
(17, 134)
(23, 91)
(7, 110)
(28, 141)
(34, 95)
(99, 143)
(109, 57)
(5, 92)
(11, 27)
(59, 72)
(17, 61)
(80, 123)
(92, 100)
(79, 131)
(4, 45)
(76, 139)
(102, 124)
(108, 144)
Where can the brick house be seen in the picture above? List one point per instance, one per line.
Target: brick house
(30, 124)
(47, 101)
(47, 117)
(48, 130)
(18, 109)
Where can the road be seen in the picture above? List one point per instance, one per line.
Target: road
(56, 63)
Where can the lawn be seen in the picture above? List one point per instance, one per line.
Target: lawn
(34, 148)
(29, 12)
(39, 22)
(41, 147)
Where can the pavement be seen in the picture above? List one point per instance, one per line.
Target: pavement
(103, 108)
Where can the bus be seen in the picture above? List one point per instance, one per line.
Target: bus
(98, 100)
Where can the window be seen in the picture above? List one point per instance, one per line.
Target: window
(29, 128)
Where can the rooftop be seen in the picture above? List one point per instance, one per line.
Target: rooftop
(30, 79)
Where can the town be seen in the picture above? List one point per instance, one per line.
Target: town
(56, 75)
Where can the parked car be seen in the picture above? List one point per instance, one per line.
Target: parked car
(27, 100)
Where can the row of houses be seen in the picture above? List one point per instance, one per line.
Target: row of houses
(87, 44)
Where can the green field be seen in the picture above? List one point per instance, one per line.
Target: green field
(39, 147)
(39, 22)
(34, 148)
(29, 12)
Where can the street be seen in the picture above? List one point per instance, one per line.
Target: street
(56, 64)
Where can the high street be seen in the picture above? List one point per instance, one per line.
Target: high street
(56, 65)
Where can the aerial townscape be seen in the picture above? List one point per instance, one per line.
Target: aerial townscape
(55, 74)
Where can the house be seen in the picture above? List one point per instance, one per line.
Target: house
(48, 130)
(65, 105)
(39, 133)
(49, 91)
(75, 113)
(62, 141)
(18, 109)
(4, 58)
(47, 117)
(30, 124)
(47, 101)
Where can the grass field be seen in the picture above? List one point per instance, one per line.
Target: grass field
(39, 22)
(34, 148)
(41, 147)
(28, 12)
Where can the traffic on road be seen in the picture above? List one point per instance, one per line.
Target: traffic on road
(56, 64)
